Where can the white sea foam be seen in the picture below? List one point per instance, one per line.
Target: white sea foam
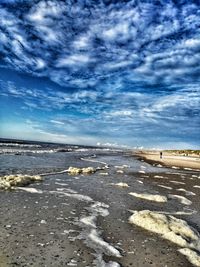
(189, 193)
(82, 149)
(19, 145)
(182, 199)
(72, 263)
(92, 160)
(111, 264)
(166, 187)
(30, 190)
(160, 177)
(126, 166)
(122, 184)
(120, 171)
(100, 208)
(99, 262)
(196, 186)
(73, 195)
(25, 151)
(120, 167)
(89, 221)
(18, 180)
(172, 229)
(191, 255)
(62, 184)
(103, 245)
(176, 182)
(92, 235)
(151, 197)
(172, 213)
(68, 190)
(159, 166)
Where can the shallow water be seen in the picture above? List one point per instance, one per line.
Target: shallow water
(83, 220)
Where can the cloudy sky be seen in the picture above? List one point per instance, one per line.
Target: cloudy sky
(87, 71)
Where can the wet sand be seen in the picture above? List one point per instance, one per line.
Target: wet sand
(83, 220)
(171, 160)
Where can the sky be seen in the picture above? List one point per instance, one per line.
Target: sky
(122, 73)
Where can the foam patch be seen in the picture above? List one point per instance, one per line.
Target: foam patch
(189, 193)
(182, 199)
(156, 198)
(191, 255)
(14, 180)
(92, 235)
(170, 228)
(89, 221)
(122, 184)
(99, 262)
(120, 171)
(176, 182)
(73, 195)
(75, 170)
(99, 242)
(158, 176)
(174, 167)
(166, 187)
(31, 190)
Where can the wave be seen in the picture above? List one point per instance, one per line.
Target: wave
(19, 145)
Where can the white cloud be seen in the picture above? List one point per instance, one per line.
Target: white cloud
(43, 9)
(120, 113)
(75, 59)
(81, 42)
(57, 122)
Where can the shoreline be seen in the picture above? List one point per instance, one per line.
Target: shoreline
(170, 160)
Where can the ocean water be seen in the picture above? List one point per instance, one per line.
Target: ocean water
(37, 157)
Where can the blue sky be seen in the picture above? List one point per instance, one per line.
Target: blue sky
(109, 72)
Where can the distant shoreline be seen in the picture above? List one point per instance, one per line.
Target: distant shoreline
(170, 159)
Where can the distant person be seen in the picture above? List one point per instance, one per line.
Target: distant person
(160, 154)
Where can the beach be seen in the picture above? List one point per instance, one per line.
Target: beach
(171, 159)
(97, 218)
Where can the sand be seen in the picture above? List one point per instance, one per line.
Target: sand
(171, 160)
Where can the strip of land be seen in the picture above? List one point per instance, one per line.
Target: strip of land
(172, 158)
